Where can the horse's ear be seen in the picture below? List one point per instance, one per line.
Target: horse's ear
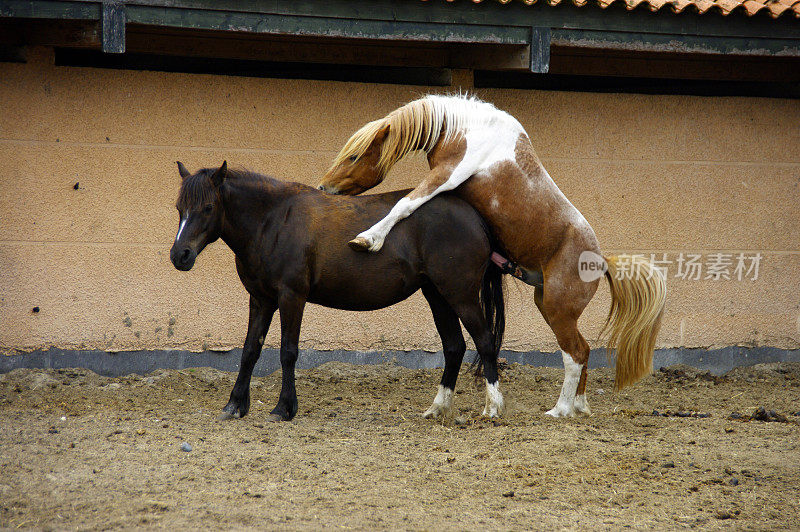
(182, 170)
(381, 133)
(219, 175)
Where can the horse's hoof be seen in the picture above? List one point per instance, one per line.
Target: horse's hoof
(359, 243)
(225, 416)
(431, 413)
(582, 406)
(558, 413)
(234, 410)
(274, 418)
(439, 411)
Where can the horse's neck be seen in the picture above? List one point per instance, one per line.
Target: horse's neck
(248, 205)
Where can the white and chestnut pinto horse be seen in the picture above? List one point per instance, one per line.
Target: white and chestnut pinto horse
(486, 155)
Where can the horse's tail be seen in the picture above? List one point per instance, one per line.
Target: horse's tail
(493, 304)
(638, 296)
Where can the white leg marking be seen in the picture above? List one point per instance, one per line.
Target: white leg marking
(180, 228)
(442, 404)
(582, 405)
(376, 234)
(494, 400)
(565, 407)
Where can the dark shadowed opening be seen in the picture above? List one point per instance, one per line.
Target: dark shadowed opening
(256, 69)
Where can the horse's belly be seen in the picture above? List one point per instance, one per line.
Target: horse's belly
(368, 297)
(362, 281)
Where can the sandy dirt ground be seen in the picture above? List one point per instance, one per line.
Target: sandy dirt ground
(80, 451)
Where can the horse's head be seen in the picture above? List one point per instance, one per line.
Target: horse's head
(200, 209)
(360, 165)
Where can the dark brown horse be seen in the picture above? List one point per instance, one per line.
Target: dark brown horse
(290, 245)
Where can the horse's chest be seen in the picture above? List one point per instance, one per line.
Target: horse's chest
(259, 281)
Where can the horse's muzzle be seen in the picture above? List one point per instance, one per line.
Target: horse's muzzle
(182, 258)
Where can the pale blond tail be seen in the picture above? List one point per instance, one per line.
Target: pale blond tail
(638, 296)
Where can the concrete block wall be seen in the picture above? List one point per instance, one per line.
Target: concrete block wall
(652, 174)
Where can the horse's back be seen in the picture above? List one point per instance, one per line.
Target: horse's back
(447, 222)
(444, 236)
(442, 214)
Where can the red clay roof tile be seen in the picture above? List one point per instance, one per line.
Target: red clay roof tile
(775, 8)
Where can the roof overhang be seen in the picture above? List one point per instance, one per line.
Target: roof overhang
(488, 35)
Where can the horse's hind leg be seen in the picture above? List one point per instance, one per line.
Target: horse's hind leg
(575, 354)
(453, 346)
(475, 323)
(260, 318)
(580, 405)
(564, 298)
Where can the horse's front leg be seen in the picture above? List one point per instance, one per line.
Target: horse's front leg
(260, 317)
(291, 311)
(438, 180)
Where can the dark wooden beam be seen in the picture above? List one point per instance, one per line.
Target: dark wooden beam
(50, 9)
(218, 44)
(513, 14)
(625, 64)
(266, 69)
(38, 32)
(438, 21)
(286, 24)
(408, 21)
(636, 85)
(654, 42)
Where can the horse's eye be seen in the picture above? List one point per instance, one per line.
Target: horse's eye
(208, 208)
(353, 158)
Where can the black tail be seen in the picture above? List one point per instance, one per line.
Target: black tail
(493, 304)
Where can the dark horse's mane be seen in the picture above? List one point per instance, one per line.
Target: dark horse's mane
(198, 190)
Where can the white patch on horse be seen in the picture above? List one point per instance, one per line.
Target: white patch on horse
(582, 405)
(481, 176)
(180, 228)
(376, 234)
(491, 137)
(494, 203)
(442, 404)
(565, 407)
(494, 400)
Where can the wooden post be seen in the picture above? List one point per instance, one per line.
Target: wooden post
(540, 50)
(113, 26)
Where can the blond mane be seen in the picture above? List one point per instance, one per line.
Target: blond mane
(418, 125)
